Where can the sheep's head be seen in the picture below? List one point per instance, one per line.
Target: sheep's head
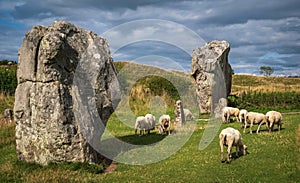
(165, 123)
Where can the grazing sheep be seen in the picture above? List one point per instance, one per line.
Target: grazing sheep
(232, 112)
(164, 124)
(7, 115)
(231, 137)
(254, 118)
(188, 114)
(242, 116)
(273, 117)
(142, 124)
(151, 120)
(225, 115)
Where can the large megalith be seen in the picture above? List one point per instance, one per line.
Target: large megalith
(67, 89)
(212, 74)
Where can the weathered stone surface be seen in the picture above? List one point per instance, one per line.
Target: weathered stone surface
(61, 69)
(7, 116)
(212, 73)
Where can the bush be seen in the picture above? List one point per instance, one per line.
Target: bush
(8, 80)
(282, 101)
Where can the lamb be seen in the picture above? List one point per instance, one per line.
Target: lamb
(242, 116)
(273, 117)
(232, 112)
(188, 114)
(164, 124)
(254, 118)
(231, 137)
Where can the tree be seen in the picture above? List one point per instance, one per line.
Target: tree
(266, 70)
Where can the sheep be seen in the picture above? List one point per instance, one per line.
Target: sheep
(164, 124)
(225, 115)
(254, 118)
(232, 112)
(145, 123)
(242, 116)
(7, 116)
(273, 117)
(188, 114)
(151, 120)
(142, 124)
(231, 137)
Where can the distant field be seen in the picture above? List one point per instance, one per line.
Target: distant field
(248, 83)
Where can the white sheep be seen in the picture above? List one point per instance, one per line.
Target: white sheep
(164, 124)
(188, 114)
(254, 118)
(225, 115)
(145, 123)
(232, 112)
(242, 116)
(231, 137)
(151, 120)
(273, 117)
(142, 124)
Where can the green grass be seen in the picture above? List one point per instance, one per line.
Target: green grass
(273, 158)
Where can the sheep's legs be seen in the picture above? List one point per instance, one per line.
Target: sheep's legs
(229, 151)
(279, 126)
(251, 125)
(257, 131)
(222, 151)
(245, 126)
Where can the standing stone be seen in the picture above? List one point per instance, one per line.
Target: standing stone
(179, 114)
(7, 116)
(212, 73)
(53, 64)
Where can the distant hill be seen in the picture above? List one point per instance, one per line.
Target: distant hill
(264, 84)
(245, 83)
(250, 92)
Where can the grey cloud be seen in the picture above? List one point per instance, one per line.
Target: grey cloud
(252, 27)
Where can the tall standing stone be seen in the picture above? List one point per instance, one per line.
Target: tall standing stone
(212, 73)
(54, 65)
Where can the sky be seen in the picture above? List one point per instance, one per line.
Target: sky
(165, 32)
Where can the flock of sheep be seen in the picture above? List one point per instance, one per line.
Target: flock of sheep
(231, 137)
(228, 137)
(148, 122)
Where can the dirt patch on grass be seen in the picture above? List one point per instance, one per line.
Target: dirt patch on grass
(110, 166)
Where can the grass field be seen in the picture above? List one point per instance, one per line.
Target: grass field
(272, 158)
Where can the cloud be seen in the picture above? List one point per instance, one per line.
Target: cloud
(253, 28)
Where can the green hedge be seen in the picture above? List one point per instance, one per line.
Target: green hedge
(282, 101)
(8, 80)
